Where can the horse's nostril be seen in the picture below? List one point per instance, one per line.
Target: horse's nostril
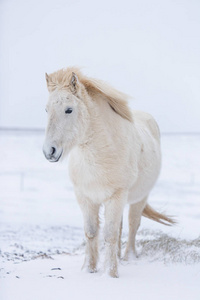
(53, 150)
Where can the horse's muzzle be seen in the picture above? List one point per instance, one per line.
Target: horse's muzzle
(52, 155)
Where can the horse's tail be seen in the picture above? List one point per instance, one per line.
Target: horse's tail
(150, 213)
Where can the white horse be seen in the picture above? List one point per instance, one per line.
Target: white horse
(114, 158)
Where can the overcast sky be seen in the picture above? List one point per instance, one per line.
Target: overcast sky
(146, 48)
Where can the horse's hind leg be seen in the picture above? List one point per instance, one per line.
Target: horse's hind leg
(135, 213)
(119, 241)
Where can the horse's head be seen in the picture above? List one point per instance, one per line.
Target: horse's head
(67, 115)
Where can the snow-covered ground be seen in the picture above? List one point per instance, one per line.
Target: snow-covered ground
(42, 238)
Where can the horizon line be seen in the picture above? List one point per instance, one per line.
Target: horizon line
(40, 130)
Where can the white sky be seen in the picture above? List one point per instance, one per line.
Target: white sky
(148, 49)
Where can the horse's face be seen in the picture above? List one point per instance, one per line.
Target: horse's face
(67, 122)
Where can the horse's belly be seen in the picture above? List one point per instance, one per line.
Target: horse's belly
(146, 180)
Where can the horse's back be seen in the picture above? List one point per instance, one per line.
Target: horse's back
(147, 121)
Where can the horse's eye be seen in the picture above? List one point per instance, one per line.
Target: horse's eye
(68, 110)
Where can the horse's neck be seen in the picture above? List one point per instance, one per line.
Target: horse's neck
(103, 127)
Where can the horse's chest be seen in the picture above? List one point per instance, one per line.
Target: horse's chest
(89, 179)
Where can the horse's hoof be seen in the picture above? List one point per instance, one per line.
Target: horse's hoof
(114, 275)
(125, 257)
(89, 268)
(92, 270)
(130, 256)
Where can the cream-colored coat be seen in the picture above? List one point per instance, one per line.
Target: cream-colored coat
(114, 158)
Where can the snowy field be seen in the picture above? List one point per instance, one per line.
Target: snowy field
(42, 238)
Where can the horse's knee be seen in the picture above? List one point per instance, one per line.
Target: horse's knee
(110, 236)
(91, 232)
(110, 240)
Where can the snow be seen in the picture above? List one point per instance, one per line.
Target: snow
(38, 280)
(42, 238)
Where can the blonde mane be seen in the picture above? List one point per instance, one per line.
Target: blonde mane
(116, 99)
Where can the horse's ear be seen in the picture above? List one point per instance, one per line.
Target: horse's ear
(49, 82)
(47, 78)
(74, 81)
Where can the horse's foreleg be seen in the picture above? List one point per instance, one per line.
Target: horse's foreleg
(113, 216)
(120, 236)
(91, 226)
(135, 213)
